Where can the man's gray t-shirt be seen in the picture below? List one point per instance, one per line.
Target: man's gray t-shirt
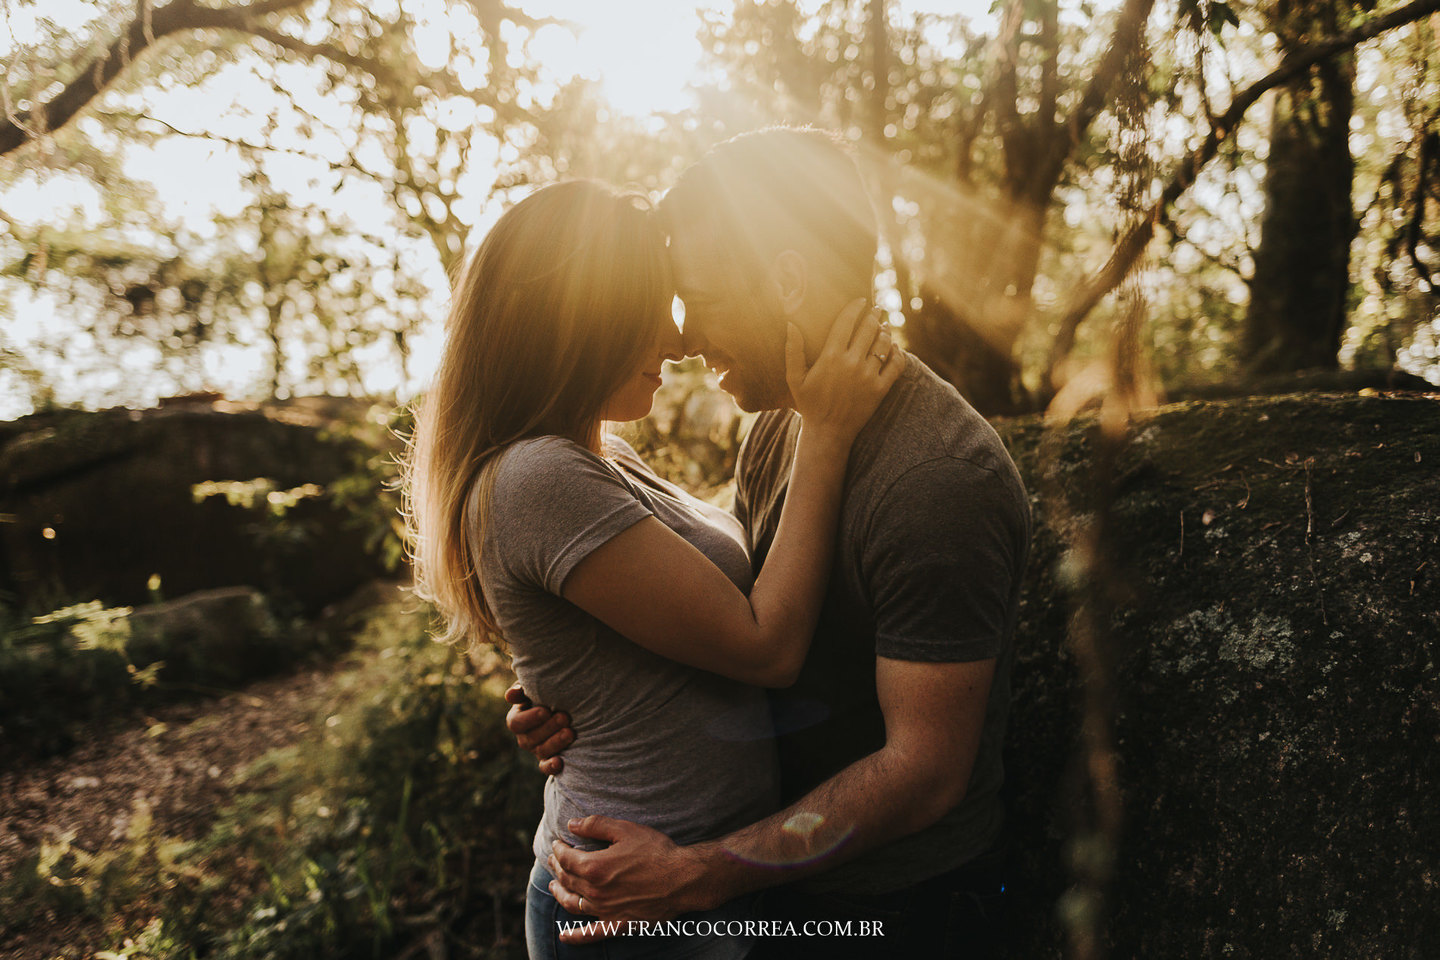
(659, 743)
(934, 533)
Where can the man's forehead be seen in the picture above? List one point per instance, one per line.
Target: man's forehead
(695, 260)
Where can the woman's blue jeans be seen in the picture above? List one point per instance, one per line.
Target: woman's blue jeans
(544, 917)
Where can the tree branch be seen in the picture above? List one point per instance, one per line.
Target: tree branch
(146, 29)
(1138, 237)
(1054, 143)
(351, 163)
(1049, 43)
(1007, 85)
(1413, 233)
(325, 51)
(1128, 28)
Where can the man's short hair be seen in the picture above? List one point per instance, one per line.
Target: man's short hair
(776, 189)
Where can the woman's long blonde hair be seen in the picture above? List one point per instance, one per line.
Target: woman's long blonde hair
(552, 314)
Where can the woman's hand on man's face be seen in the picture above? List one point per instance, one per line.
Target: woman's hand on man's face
(537, 730)
(839, 392)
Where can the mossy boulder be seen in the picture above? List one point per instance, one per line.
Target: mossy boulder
(1278, 716)
(217, 638)
(111, 505)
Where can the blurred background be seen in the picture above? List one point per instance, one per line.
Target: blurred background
(267, 199)
(229, 229)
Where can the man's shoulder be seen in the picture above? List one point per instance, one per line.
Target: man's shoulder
(767, 445)
(929, 427)
(771, 426)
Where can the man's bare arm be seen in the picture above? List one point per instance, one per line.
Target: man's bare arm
(934, 713)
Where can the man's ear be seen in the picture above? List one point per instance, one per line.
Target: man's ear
(790, 275)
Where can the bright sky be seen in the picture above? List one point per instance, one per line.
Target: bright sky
(640, 70)
(644, 57)
(643, 60)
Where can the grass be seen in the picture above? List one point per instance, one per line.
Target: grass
(401, 827)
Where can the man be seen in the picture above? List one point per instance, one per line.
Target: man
(890, 741)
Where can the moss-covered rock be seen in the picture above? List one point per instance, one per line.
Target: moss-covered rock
(103, 505)
(1279, 702)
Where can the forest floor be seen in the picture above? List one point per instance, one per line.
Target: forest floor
(169, 772)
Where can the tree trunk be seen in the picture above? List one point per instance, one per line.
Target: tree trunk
(1134, 241)
(953, 345)
(1299, 293)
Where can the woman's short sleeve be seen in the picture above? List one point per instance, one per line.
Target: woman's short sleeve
(553, 503)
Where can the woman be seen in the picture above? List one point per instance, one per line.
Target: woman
(622, 600)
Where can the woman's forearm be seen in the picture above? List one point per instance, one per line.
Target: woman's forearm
(788, 592)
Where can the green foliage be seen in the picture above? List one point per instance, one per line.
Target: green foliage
(405, 821)
(1207, 16)
(83, 664)
(62, 671)
(370, 491)
(246, 493)
(300, 285)
(437, 113)
(64, 880)
(334, 308)
(367, 492)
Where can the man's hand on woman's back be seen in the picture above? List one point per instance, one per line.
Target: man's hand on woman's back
(537, 730)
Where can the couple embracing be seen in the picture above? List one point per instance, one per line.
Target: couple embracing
(779, 722)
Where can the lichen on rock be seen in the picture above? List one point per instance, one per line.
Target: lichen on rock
(1275, 659)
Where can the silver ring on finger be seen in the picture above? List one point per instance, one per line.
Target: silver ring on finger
(582, 906)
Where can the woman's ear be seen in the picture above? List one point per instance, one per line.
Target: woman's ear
(790, 275)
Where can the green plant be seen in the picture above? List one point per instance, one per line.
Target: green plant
(87, 663)
(370, 491)
(61, 671)
(405, 821)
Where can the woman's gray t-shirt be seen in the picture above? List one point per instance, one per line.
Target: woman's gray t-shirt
(687, 752)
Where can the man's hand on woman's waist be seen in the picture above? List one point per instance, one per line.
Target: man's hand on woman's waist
(538, 730)
(641, 875)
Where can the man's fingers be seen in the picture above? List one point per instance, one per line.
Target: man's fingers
(566, 863)
(590, 932)
(570, 901)
(552, 767)
(555, 727)
(516, 694)
(524, 721)
(555, 744)
(596, 827)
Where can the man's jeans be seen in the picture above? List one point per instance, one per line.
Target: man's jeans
(957, 915)
(543, 914)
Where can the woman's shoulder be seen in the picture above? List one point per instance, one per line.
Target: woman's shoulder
(546, 470)
(534, 457)
(551, 501)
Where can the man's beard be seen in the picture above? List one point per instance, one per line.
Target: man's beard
(757, 386)
(754, 391)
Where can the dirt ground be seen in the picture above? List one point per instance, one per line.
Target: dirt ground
(179, 762)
